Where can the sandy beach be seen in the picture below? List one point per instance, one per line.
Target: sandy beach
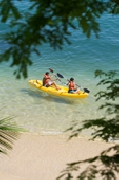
(43, 157)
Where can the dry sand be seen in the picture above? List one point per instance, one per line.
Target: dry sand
(43, 157)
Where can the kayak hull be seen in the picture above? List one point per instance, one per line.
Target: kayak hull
(60, 93)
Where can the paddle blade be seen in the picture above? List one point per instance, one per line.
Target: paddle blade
(86, 90)
(60, 76)
(51, 70)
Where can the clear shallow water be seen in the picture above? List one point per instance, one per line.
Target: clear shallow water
(41, 113)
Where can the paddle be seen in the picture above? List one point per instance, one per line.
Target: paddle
(61, 76)
(52, 71)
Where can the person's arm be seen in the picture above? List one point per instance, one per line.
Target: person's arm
(51, 77)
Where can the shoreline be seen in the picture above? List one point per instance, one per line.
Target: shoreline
(36, 157)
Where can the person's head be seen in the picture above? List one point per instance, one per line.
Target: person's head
(71, 79)
(47, 73)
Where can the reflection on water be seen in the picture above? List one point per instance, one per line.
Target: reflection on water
(37, 95)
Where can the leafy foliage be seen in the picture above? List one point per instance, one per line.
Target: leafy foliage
(105, 165)
(47, 22)
(8, 133)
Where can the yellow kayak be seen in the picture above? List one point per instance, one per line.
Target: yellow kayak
(60, 93)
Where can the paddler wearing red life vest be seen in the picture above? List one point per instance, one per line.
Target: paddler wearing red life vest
(72, 88)
(48, 82)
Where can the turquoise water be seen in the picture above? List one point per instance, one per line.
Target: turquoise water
(41, 113)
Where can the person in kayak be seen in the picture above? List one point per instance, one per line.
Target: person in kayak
(48, 82)
(72, 88)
